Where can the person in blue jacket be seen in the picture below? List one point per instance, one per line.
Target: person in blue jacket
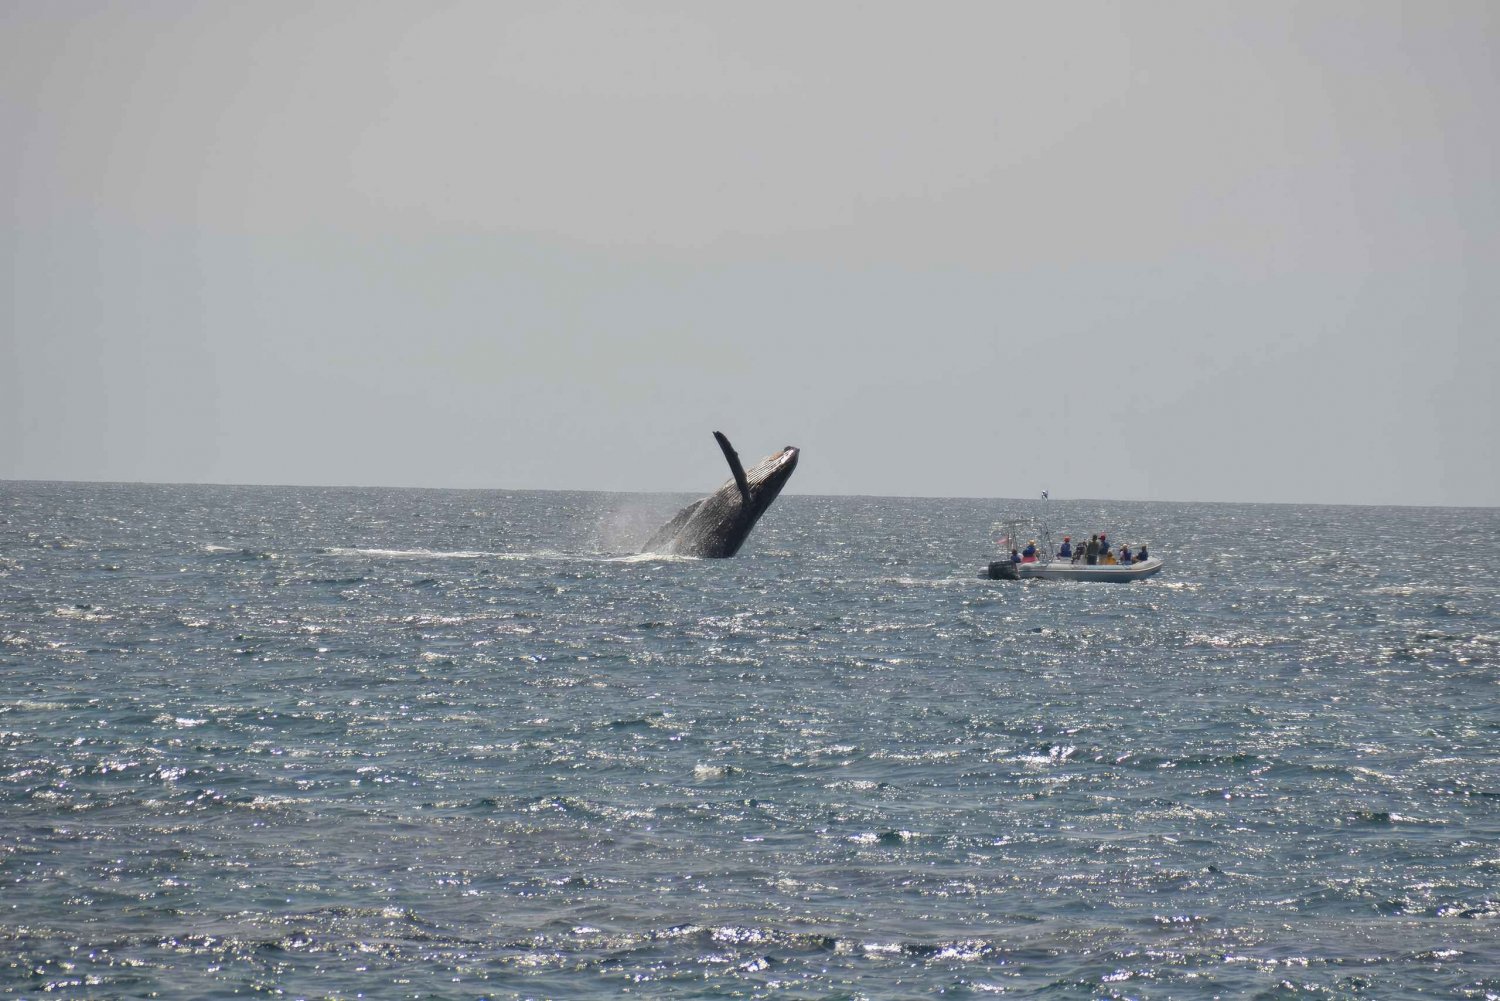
(1065, 551)
(1141, 556)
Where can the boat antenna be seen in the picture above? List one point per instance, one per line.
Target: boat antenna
(1047, 546)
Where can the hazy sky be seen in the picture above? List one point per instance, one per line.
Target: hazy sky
(1176, 251)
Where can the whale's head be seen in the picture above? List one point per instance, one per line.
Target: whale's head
(766, 478)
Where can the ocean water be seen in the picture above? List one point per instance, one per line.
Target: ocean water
(398, 743)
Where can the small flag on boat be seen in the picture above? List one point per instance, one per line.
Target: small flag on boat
(1003, 541)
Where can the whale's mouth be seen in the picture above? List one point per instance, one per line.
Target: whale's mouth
(779, 464)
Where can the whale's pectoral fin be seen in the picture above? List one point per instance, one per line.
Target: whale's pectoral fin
(734, 466)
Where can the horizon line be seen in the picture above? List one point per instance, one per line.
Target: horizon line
(595, 490)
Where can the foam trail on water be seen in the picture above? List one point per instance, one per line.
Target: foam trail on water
(428, 554)
(652, 558)
(469, 554)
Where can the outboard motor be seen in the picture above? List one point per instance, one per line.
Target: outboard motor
(1003, 570)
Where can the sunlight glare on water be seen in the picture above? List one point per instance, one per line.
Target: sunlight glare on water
(444, 743)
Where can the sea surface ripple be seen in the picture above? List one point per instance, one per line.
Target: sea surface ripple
(405, 743)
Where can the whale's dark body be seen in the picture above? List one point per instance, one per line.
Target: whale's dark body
(717, 525)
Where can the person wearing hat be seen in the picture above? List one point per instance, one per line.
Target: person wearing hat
(1065, 551)
(1028, 555)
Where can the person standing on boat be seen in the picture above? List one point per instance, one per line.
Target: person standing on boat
(1091, 551)
(1065, 551)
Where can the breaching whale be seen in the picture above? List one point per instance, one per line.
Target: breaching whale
(717, 525)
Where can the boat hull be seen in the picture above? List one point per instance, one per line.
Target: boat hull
(1082, 571)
